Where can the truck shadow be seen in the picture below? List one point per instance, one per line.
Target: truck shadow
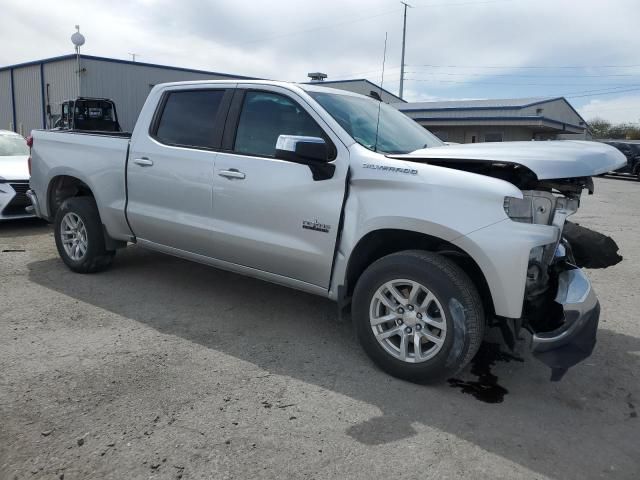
(582, 427)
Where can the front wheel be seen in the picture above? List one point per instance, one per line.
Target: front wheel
(418, 316)
(79, 236)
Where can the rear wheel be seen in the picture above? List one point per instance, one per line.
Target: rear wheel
(79, 236)
(418, 316)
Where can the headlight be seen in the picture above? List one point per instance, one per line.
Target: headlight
(535, 207)
(519, 209)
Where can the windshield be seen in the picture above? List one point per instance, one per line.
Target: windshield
(396, 133)
(13, 145)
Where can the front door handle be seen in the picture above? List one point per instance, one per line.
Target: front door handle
(143, 162)
(232, 173)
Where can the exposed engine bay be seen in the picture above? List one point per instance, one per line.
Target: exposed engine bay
(519, 175)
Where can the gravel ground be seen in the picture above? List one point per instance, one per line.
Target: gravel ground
(161, 368)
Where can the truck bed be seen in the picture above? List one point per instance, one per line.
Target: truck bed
(98, 159)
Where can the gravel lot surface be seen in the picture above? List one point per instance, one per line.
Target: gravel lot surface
(161, 368)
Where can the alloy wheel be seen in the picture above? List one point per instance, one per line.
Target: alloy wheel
(408, 320)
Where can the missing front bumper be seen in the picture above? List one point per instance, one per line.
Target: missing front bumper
(575, 338)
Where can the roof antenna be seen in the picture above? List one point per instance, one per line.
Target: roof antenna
(384, 58)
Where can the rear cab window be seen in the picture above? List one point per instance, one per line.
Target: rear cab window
(190, 118)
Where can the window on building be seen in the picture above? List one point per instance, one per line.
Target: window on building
(493, 137)
(539, 111)
(188, 118)
(265, 116)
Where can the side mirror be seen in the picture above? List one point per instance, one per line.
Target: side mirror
(310, 151)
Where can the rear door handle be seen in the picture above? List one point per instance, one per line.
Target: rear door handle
(232, 173)
(143, 162)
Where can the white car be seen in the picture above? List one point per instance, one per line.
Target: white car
(14, 176)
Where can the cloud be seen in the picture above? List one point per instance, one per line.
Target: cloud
(285, 39)
(617, 110)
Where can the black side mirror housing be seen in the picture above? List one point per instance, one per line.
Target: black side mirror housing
(310, 151)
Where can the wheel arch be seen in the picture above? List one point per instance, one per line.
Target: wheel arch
(62, 187)
(379, 243)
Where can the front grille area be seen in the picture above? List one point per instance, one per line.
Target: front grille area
(19, 202)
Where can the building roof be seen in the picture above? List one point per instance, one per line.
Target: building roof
(476, 104)
(117, 60)
(361, 80)
(468, 107)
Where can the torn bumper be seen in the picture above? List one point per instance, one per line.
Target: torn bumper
(575, 338)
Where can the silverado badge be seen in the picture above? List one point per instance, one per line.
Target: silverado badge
(315, 225)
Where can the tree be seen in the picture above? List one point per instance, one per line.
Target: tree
(600, 128)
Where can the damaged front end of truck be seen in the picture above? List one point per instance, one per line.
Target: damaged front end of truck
(560, 308)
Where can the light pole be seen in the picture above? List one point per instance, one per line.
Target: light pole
(404, 38)
(78, 40)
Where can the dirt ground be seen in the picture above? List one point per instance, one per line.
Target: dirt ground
(161, 368)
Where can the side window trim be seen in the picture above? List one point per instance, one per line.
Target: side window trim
(231, 125)
(233, 120)
(219, 121)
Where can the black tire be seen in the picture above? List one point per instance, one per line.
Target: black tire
(454, 290)
(97, 257)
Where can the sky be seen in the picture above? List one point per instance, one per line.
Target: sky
(586, 50)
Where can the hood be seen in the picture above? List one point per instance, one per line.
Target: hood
(547, 160)
(14, 167)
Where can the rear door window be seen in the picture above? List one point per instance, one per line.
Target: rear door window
(189, 118)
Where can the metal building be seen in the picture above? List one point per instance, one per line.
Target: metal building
(470, 121)
(31, 93)
(361, 86)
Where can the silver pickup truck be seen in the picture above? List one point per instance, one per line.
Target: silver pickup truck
(342, 196)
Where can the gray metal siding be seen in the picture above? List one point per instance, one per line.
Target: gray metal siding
(63, 83)
(558, 110)
(6, 111)
(454, 114)
(463, 134)
(361, 87)
(128, 84)
(28, 98)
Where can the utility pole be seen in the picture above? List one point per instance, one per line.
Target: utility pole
(404, 38)
(133, 56)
